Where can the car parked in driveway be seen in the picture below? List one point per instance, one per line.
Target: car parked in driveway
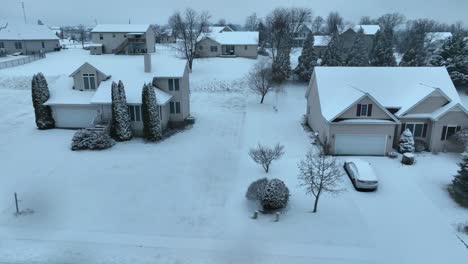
(361, 174)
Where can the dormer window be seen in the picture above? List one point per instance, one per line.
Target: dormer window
(364, 110)
(89, 81)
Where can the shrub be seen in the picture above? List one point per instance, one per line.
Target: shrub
(256, 189)
(85, 139)
(406, 142)
(420, 145)
(275, 195)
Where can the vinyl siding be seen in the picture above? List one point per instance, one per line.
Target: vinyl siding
(451, 118)
(377, 112)
(429, 105)
(30, 46)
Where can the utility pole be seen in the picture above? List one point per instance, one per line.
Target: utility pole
(24, 13)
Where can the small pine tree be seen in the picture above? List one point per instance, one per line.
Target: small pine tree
(121, 126)
(332, 56)
(382, 50)
(415, 55)
(406, 141)
(281, 67)
(459, 187)
(358, 55)
(151, 123)
(307, 60)
(454, 56)
(40, 94)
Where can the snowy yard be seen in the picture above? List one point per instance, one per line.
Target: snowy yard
(182, 200)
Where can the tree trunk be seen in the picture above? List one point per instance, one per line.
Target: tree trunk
(263, 97)
(315, 204)
(190, 64)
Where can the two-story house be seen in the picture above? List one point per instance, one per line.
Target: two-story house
(83, 98)
(122, 39)
(364, 110)
(348, 34)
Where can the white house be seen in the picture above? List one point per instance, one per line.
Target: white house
(228, 44)
(28, 39)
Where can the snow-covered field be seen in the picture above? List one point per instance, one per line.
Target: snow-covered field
(182, 200)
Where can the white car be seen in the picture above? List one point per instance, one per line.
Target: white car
(361, 174)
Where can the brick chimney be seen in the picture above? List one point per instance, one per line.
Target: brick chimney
(147, 59)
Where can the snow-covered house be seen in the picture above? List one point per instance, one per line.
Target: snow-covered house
(166, 36)
(321, 43)
(434, 40)
(348, 34)
(365, 110)
(83, 98)
(228, 44)
(123, 39)
(301, 35)
(28, 39)
(218, 29)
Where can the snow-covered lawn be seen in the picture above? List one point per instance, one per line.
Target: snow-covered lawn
(182, 200)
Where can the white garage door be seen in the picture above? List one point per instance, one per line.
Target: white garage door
(360, 144)
(74, 116)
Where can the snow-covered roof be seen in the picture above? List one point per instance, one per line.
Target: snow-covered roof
(438, 36)
(121, 28)
(27, 32)
(235, 37)
(61, 92)
(403, 87)
(321, 41)
(217, 29)
(368, 29)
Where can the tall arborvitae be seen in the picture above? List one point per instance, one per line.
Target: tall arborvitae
(382, 50)
(281, 66)
(307, 60)
(40, 94)
(358, 55)
(459, 187)
(415, 55)
(121, 123)
(151, 123)
(454, 56)
(333, 53)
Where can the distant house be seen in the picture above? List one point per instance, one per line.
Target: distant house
(348, 34)
(83, 99)
(303, 31)
(434, 40)
(166, 36)
(321, 44)
(228, 44)
(364, 110)
(218, 29)
(28, 39)
(123, 39)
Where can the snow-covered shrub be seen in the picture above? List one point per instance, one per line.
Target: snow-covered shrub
(406, 142)
(121, 124)
(94, 140)
(256, 189)
(40, 94)
(151, 124)
(420, 145)
(275, 195)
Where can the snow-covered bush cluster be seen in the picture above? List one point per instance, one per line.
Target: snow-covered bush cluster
(271, 194)
(93, 140)
(406, 142)
(220, 86)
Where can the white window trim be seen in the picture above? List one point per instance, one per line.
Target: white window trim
(414, 128)
(87, 78)
(446, 132)
(362, 109)
(133, 108)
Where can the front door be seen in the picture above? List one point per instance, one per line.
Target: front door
(229, 50)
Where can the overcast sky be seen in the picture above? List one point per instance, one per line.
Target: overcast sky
(65, 12)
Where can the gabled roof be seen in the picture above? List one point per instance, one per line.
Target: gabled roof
(368, 29)
(27, 32)
(436, 91)
(321, 41)
(234, 37)
(120, 28)
(217, 29)
(403, 87)
(86, 64)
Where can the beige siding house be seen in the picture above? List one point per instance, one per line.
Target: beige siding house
(365, 110)
(123, 39)
(28, 39)
(228, 44)
(83, 99)
(348, 34)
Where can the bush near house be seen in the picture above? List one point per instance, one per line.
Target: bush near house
(93, 140)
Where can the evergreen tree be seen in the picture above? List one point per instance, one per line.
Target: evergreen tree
(40, 94)
(459, 187)
(281, 67)
(151, 123)
(307, 60)
(454, 56)
(415, 54)
(382, 50)
(358, 55)
(332, 56)
(262, 33)
(121, 126)
(406, 141)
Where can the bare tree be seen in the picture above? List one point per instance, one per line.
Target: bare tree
(367, 20)
(319, 174)
(251, 22)
(391, 21)
(334, 22)
(82, 31)
(259, 79)
(317, 25)
(221, 22)
(189, 27)
(3, 26)
(264, 155)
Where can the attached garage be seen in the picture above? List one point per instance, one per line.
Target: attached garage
(360, 144)
(74, 116)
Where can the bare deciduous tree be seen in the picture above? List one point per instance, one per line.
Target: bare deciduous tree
(317, 25)
(334, 22)
(3, 26)
(82, 31)
(391, 21)
(264, 155)
(251, 22)
(189, 27)
(259, 79)
(318, 174)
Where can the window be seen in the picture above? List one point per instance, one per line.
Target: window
(43, 44)
(364, 110)
(173, 84)
(245, 47)
(448, 131)
(89, 80)
(101, 37)
(417, 129)
(2, 46)
(135, 113)
(214, 48)
(174, 107)
(113, 35)
(18, 45)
